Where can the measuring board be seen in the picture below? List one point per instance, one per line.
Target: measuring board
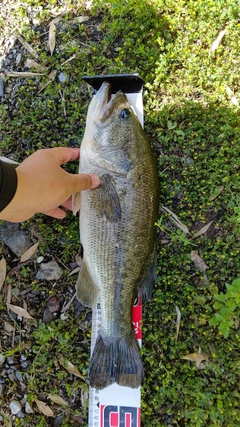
(117, 406)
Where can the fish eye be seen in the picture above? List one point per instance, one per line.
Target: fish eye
(124, 114)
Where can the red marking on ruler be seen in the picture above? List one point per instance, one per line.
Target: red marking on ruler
(137, 317)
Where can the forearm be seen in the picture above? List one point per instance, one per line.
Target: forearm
(8, 184)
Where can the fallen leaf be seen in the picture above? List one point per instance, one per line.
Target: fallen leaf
(66, 306)
(50, 79)
(27, 46)
(9, 293)
(216, 193)
(76, 270)
(3, 271)
(202, 230)
(52, 37)
(57, 399)
(217, 41)
(23, 74)
(197, 357)
(82, 19)
(198, 261)
(56, 20)
(236, 324)
(68, 60)
(29, 252)
(175, 219)
(177, 322)
(70, 367)
(8, 327)
(78, 260)
(31, 63)
(44, 408)
(19, 310)
(231, 96)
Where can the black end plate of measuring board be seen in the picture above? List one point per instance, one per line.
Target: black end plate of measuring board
(127, 83)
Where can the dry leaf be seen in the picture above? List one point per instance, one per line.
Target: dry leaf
(27, 46)
(177, 322)
(82, 19)
(236, 324)
(197, 357)
(29, 253)
(66, 306)
(175, 219)
(231, 96)
(52, 37)
(57, 399)
(23, 74)
(198, 261)
(56, 20)
(30, 63)
(202, 230)
(70, 367)
(50, 79)
(3, 271)
(217, 41)
(44, 408)
(76, 270)
(19, 310)
(9, 293)
(68, 60)
(216, 193)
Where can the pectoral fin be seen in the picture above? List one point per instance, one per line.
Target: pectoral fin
(76, 202)
(87, 291)
(109, 203)
(149, 278)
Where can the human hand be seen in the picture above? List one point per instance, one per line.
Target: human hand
(43, 185)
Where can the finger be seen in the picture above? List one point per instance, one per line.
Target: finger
(65, 154)
(67, 204)
(83, 182)
(56, 213)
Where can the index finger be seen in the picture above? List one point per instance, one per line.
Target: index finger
(65, 154)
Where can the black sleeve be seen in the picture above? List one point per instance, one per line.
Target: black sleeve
(8, 184)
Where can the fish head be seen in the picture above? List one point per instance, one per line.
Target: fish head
(111, 125)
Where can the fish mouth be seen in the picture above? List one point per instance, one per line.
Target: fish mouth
(106, 103)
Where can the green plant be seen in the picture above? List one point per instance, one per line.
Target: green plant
(227, 308)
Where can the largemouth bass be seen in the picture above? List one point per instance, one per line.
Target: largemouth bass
(117, 232)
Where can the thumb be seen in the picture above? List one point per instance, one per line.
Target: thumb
(84, 182)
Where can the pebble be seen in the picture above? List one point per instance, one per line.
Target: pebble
(62, 77)
(1, 389)
(19, 376)
(2, 359)
(28, 408)
(18, 58)
(11, 360)
(49, 271)
(15, 238)
(12, 376)
(15, 407)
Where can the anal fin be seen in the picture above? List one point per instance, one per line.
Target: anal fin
(149, 278)
(87, 291)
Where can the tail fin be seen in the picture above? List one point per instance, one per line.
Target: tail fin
(116, 360)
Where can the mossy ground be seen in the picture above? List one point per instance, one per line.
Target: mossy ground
(193, 126)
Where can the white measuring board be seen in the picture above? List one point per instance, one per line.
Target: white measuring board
(117, 406)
